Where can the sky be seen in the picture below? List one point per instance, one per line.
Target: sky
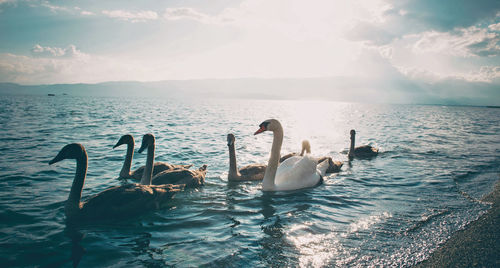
(422, 45)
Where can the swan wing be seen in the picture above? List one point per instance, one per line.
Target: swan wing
(296, 173)
(158, 167)
(127, 200)
(253, 172)
(180, 176)
(285, 157)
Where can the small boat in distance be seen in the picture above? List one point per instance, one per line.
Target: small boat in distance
(51, 95)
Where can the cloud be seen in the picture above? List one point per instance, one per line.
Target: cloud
(7, 2)
(54, 8)
(140, 16)
(443, 15)
(465, 42)
(371, 33)
(186, 13)
(487, 74)
(494, 27)
(48, 65)
(87, 13)
(401, 18)
(71, 51)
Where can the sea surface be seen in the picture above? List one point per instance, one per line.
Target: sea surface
(435, 164)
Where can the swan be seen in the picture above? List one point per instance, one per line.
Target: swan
(296, 172)
(115, 202)
(187, 177)
(306, 147)
(252, 172)
(137, 174)
(365, 151)
(333, 166)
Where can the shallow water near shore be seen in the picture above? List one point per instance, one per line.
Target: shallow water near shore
(436, 163)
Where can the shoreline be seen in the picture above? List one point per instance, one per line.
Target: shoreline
(478, 245)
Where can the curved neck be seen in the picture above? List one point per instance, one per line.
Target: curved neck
(147, 176)
(233, 168)
(125, 172)
(351, 149)
(75, 193)
(272, 165)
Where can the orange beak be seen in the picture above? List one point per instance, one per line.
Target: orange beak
(261, 129)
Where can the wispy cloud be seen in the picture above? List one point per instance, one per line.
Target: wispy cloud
(87, 13)
(54, 8)
(465, 42)
(47, 65)
(185, 13)
(71, 51)
(7, 2)
(139, 16)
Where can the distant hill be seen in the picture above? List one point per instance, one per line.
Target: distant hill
(327, 88)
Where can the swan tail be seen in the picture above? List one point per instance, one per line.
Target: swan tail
(322, 167)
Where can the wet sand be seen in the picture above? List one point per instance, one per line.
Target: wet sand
(478, 245)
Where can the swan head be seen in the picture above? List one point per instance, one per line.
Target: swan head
(147, 140)
(230, 139)
(70, 151)
(125, 139)
(353, 133)
(269, 124)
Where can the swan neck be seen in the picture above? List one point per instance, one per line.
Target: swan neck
(147, 176)
(351, 148)
(272, 165)
(125, 172)
(75, 193)
(233, 168)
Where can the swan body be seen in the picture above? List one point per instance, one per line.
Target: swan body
(296, 172)
(115, 202)
(365, 151)
(189, 178)
(125, 172)
(334, 166)
(252, 172)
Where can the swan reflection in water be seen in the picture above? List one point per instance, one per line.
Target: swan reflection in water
(77, 250)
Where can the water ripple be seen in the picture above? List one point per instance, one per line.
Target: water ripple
(435, 163)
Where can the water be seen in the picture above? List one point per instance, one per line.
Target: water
(435, 165)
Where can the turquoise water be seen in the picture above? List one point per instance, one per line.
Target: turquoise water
(394, 210)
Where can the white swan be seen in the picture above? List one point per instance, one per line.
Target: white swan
(180, 176)
(294, 173)
(254, 172)
(115, 202)
(333, 166)
(137, 174)
(365, 151)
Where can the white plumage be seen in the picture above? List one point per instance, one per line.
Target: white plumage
(296, 172)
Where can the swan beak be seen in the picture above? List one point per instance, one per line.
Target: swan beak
(116, 145)
(144, 145)
(123, 140)
(261, 129)
(56, 159)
